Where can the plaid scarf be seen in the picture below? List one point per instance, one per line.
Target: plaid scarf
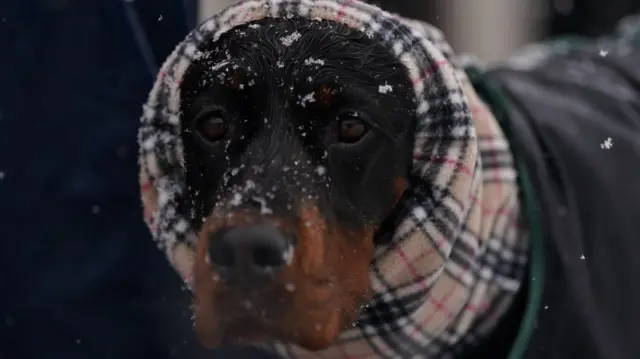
(458, 253)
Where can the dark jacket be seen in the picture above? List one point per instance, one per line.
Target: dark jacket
(574, 122)
(80, 276)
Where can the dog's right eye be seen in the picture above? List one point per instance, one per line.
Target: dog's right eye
(212, 126)
(351, 127)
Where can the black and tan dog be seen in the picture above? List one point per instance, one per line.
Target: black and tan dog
(328, 180)
(314, 168)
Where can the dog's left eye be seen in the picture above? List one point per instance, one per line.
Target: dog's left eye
(351, 127)
(212, 126)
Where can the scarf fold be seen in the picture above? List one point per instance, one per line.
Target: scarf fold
(458, 253)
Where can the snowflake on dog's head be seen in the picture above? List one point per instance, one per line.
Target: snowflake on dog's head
(291, 38)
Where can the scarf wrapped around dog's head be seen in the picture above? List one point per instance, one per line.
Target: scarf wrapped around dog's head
(427, 282)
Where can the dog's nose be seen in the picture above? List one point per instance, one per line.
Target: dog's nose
(248, 253)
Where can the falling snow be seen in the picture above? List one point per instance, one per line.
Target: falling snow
(290, 39)
(321, 170)
(607, 144)
(160, 18)
(603, 53)
(1, 176)
(582, 257)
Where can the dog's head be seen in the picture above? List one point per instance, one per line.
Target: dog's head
(297, 143)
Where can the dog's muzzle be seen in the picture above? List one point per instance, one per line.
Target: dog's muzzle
(249, 255)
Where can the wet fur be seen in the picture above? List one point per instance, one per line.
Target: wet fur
(283, 159)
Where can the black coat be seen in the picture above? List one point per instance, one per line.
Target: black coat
(574, 123)
(80, 276)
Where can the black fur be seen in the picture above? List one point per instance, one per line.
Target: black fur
(278, 142)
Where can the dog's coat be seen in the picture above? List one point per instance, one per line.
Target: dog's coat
(572, 107)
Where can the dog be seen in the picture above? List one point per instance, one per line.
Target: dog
(332, 181)
(279, 202)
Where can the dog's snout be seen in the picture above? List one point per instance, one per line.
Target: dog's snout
(247, 253)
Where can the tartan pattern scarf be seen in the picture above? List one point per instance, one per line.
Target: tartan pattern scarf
(458, 252)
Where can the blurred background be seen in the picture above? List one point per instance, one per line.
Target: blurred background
(492, 29)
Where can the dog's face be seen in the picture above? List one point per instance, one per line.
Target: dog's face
(297, 138)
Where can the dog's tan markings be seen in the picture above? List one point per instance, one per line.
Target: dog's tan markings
(205, 284)
(314, 315)
(319, 293)
(351, 260)
(310, 245)
(400, 185)
(331, 273)
(324, 95)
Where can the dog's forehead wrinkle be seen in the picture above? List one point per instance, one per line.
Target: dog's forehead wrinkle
(274, 156)
(296, 41)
